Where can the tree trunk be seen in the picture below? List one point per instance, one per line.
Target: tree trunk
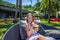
(45, 14)
(20, 9)
(56, 8)
(49, 12)
(15, 19)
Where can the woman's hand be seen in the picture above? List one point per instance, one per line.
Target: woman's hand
(28, 31)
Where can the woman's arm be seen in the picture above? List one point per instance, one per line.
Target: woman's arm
(29, 32)
(35, 27)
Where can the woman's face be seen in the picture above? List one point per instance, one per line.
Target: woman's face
(30, 18)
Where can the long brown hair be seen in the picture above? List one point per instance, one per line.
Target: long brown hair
(32, 17)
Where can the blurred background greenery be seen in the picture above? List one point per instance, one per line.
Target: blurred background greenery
(43, 10)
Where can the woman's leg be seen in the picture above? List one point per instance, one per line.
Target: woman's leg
(41, 37)
(37, 37)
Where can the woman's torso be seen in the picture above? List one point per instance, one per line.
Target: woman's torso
(33, 31)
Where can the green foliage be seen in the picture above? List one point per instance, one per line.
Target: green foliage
(53, 24)
(55, 6)
(44, 4)
(26, 7)
(36, 15)
(2, 2)
(37, 6)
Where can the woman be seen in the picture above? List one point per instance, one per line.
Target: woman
(32, 28)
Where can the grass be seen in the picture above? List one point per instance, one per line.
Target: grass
(54, 24)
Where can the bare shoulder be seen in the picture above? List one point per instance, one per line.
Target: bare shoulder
(35, 25)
